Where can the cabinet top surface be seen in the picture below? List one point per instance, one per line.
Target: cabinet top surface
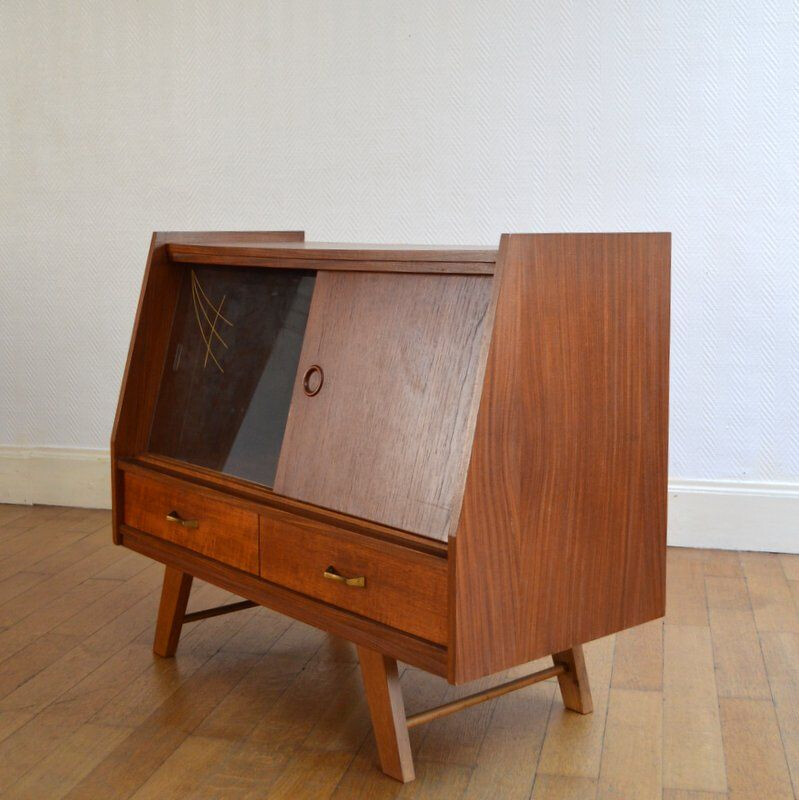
(335, 250)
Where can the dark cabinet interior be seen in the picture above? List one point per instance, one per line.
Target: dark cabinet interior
(230, 366)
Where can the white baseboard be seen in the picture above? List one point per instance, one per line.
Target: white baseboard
(55, 476)
(733, 515)
(728, 515)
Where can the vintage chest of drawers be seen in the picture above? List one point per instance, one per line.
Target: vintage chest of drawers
(455, 457)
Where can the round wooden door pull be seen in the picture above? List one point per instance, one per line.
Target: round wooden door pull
(312, 380)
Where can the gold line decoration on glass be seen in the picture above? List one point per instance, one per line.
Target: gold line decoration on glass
(203, 305)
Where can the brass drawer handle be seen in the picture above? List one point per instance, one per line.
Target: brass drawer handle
(332, 575)
(174, 516)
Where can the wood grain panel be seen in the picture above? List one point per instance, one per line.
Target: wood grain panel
(403, 588)
(332, 251)
(310, 261)
(224, 532)
(387, 438)
(562, 536)
(142, 374)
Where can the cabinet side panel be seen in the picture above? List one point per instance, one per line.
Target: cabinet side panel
(562, 536)
(143, 369)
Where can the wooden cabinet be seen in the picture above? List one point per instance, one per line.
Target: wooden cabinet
(451, 456)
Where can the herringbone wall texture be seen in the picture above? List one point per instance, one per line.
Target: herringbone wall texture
(403, 122)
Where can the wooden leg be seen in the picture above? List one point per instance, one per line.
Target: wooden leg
(385, 699)
(174, 596)
(574, 683)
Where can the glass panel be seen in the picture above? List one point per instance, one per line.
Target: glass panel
(230, 368)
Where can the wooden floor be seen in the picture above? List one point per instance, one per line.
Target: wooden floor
(702, 705)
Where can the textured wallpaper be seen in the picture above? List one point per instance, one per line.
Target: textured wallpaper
(411, 122)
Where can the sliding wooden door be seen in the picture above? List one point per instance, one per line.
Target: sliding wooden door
(384, 403)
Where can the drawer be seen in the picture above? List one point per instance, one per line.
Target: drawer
(223, 531)
(402, 588)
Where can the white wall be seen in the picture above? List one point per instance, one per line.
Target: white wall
(405, 122)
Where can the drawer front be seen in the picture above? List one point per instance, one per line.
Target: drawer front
(402, 588)
(224, 532)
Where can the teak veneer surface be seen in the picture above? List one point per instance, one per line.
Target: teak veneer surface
(335, 251)
(336, 265)
(402, 588)
(387, 437)
(562, 535)
(224, 531)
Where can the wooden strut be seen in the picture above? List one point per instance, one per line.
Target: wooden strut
(217, 611)
(432, 713)
(381, 679)
(487, 694)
